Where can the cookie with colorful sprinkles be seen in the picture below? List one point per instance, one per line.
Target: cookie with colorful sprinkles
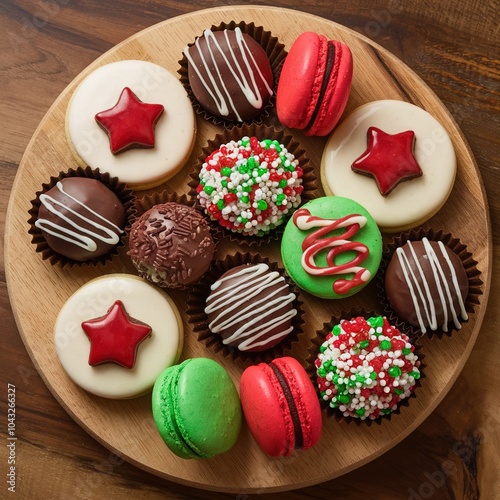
(365, 368)
(250, 183)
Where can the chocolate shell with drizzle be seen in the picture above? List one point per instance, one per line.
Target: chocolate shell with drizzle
(80, 218)
(229, 74)
(427, 286)
(171, 245)
(251, 307)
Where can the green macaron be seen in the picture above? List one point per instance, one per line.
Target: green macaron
(196, 408)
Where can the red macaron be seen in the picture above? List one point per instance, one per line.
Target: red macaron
(314, 84)
(281, 406)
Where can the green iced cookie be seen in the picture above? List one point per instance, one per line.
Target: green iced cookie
(331, 247)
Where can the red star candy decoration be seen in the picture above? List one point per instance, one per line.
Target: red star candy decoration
(115, 337)
(389, 159)
(130, 123)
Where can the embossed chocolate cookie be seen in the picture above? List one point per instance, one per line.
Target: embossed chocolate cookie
(171, 245)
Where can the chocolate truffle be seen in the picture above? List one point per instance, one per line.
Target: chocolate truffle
(171, 245)
(81, 218)
(251, 308)
(426, 285)
(230, 74)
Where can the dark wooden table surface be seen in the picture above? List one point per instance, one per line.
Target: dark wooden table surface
(454, 47)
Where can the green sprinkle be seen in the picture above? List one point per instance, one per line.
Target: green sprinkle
(245, 141)
(386, 411)
(220, 204)
(245, 199)
(385, 345)
(415, 375)
(251, 163)
(246, 188)
(343, 398)
(223, 182)
(323, 348)
(261, 171)
(262, 205)
(284, 160)
(360, 412)
(399, 391)
(267, 143)
(364, 344)
(394, 371)
(376, 321)
(277, 146)
(280, 198)
(244, 168)
(373, 375)
(360, 378)
(322, 372)
(208, 189)
(406, 351)
(226, 171)
(342, 389)
(282, 183)
(336, 330)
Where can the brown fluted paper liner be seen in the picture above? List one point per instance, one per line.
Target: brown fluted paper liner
(309, 180)
(454, 244)
(199, 321)
(311, 370)
(125, 195)
(275, 52)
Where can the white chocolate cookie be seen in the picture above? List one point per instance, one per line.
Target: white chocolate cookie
(412, 201)
(142, 302)
(174, 131)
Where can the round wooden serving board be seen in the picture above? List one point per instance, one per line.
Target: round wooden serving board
(38, 290)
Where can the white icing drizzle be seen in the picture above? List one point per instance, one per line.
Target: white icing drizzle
(108, 234)
(416, 278)
(234, 304)
(220, 94)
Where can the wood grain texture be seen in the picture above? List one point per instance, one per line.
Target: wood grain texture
(465, 82)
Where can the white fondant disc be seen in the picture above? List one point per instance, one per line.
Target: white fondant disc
(410, 202)
(143, 302)
(174, 131)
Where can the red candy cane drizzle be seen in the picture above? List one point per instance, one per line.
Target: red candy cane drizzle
(315, 242)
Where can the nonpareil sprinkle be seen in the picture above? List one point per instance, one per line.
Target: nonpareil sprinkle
(366, 367)
(250, 186)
